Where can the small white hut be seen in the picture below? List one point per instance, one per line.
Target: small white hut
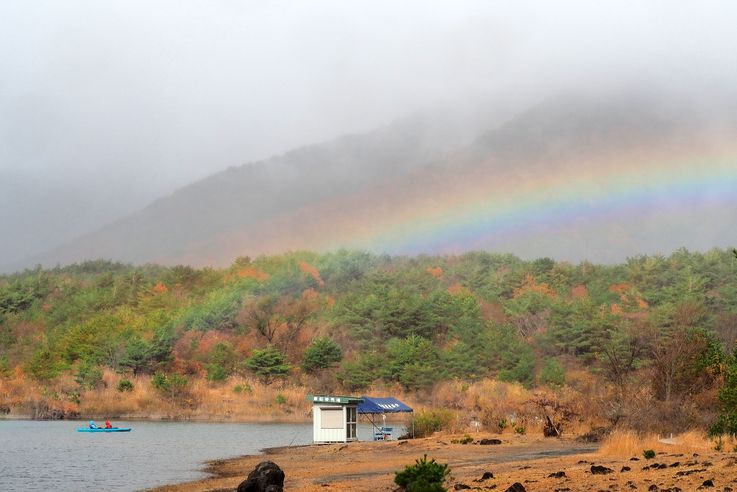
(334, 418)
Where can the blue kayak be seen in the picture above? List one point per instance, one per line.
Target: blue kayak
(98, 429)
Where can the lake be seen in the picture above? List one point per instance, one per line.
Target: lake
(37, 455)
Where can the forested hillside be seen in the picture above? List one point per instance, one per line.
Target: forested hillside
(637, 344)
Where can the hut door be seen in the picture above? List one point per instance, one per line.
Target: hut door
(350, 422)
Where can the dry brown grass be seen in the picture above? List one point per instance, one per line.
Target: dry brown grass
(629, 443)
(203, 400)
(487, 401)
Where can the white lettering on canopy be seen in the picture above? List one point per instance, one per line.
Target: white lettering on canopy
(388, 406)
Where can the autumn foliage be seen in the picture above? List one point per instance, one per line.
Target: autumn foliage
(641, 345)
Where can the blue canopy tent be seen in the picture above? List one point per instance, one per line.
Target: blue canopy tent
(370, 407)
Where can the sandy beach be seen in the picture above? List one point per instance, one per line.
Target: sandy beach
(535, 462)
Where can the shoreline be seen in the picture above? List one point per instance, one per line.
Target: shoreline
(540, 464)
(367, 466)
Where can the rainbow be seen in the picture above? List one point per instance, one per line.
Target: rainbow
(505, 206)
(511, 205)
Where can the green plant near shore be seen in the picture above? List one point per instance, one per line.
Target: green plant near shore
(423, 476)
(466, 439)
(648, 454)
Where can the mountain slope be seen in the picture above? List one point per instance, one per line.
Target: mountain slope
(573, 178)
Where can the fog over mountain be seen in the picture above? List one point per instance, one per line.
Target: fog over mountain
(125, 127)
(354, 191)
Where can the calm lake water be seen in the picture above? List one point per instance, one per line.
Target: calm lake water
(37, 455)
(53, 456)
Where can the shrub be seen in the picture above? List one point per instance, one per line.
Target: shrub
(521, 430)
(648, 454)
(413, 361)
(553, 373)
(243, 388)
(423, 476)
(466, 439)
(125, 386)
(43, 366)
(6, 335)
(172, 385)
(321, 354)
(522, 369)
(74, 397)
(431, 421)
(727, 421)
(89, 375)
(280, 399)
(5, 371)
(222, 362)
(359, 374)
(268, 363)
(142, 356)
(216, 372)
(217, 312)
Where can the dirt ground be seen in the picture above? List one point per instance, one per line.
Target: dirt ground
(533, 462)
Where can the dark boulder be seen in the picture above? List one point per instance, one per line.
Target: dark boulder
(625, 469)
(559, 474)
(707, 484)
(600, 470)
(461, 486)
(487, 442)
(516, 487)
(266, 477)
(486, 476)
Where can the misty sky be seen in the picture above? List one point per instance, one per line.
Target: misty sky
(105, 105)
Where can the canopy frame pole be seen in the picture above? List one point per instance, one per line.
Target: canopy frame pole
(373, 424)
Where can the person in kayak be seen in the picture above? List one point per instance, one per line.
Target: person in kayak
(108, 425)
(93, 425)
